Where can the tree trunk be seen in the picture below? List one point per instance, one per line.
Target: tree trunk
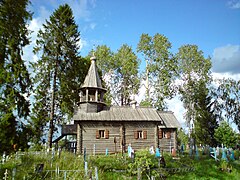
(147, 82)
(51, 123)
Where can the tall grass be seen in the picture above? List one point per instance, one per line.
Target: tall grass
(70, 166)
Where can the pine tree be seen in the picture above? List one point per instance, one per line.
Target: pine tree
(15, 83)
(59, 71)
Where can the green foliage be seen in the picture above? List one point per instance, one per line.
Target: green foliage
(15, 83)
(205, 121)
(161, 68)
(27, 163)
(143, 160)
(105, 61)
(194, 71)
(108, 163)
(225, 134)
(182, 137)
(126, 73)
(227, 100)
(118, 166)
(225, 166)
(120, 73)
(145, 103)
(58, 73)
(106, 67)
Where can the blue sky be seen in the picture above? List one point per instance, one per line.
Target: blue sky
(210, 24)
(213, 25)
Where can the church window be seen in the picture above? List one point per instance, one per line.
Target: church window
(139, 134)
(102, 134)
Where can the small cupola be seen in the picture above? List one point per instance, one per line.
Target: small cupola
(91, 92)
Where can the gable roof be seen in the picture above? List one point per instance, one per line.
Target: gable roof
(121, 114)
(169, 119)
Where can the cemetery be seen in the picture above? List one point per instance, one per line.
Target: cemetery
(205, 163)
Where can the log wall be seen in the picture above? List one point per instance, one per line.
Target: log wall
(123, 134)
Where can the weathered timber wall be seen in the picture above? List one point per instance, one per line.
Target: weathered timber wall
(124, 134)
(89, 137)
(69, 129)
(141, 143)
(166, 144)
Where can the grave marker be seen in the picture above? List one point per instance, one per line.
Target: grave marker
(94, 149)
(197, 154)
(96, 173)
(217, 151)
(130, 151)
(182, 148)
(5, 175)
(151, 150)
(4, 157)
(158, 154)
(106, 152)
(84, 155)
(224, 155)
(232, 155)
(174, 153)
(86, 168)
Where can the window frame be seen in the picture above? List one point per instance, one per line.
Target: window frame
(140, 134)
(102, 134)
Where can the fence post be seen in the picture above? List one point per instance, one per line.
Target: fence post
(57, 171)
(65, 175)
(96, 173)
(86, 168)
(139, 174)
(5, 175)
(90, 174)
(14, 173)
(94, 149)
(152, 177)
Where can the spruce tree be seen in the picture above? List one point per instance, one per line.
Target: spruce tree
(59, 70)
(205, 122)
(15, 83)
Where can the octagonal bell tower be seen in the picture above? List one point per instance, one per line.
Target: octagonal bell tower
(91, 92)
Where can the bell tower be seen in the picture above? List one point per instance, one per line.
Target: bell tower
(91, 92)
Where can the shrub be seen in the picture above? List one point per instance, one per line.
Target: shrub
(143, 161)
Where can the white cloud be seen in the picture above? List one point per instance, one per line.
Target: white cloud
(226, 59)
(234, 4)
(226, 75)
(176, 106)
(82, 43)
(34, 26)
(141, 94)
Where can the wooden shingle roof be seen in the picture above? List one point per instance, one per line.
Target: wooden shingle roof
(92, 79)
(130, 114)
(169, 119)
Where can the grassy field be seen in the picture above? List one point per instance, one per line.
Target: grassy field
(43, 165)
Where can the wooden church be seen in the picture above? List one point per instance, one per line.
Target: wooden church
(98, 127)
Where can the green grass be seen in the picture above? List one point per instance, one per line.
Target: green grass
(119, 167)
